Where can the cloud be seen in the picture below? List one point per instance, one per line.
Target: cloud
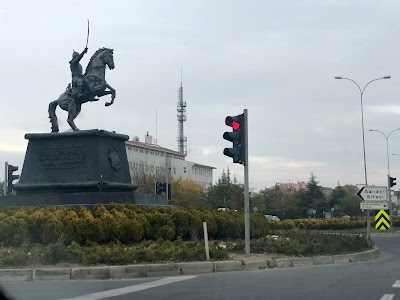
(391, 108)
(261, 162)
(209, 150)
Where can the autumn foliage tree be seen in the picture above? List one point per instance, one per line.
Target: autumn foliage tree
(187, 193)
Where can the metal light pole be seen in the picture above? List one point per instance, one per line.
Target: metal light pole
(166, 175)
(246, 187)
(363, 137)
(388, 172)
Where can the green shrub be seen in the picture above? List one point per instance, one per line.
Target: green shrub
(166, 233)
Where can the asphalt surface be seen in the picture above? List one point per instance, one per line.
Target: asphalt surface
(365, 280)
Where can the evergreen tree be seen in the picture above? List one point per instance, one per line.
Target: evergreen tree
(226, 193)
(312, 198)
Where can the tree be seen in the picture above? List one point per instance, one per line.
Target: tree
(349, 204)
(226, 193)
(146, 176)
(186, 192)
(338, 194)
(280, 202)
(312, 198)
(273, 198)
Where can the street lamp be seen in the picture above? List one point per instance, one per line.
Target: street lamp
(363, 137)
(387, 144)
(388, 171)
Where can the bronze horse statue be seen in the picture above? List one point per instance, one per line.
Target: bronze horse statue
(94, 85)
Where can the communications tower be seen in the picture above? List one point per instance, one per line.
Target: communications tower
(181, 109)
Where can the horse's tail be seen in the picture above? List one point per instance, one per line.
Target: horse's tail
(52, 116)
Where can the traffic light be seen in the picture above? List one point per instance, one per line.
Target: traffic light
(10, 177)
(159, 188)
(169, 190)
(392, 181)
(237, 137)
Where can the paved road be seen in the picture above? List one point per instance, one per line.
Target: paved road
(365, 280)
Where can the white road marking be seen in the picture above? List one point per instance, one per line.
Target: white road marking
(396, 284)
(387, 297)
(131, 289)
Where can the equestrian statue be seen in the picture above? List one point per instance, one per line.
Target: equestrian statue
(84, 87)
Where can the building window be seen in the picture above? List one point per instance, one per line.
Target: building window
(174, 170)
(184, 169)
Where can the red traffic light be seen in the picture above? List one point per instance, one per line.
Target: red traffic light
(230, 122)
(235, 125)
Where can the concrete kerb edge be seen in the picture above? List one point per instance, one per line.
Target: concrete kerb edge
(173, 269)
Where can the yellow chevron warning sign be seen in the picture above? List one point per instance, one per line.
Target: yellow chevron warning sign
(382, 220)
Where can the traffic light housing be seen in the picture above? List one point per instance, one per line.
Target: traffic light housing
(10, 177)
(159, 188)
(237, 137)
(392, 181)
(169, 190)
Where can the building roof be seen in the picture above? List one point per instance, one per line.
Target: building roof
(203, 166)
(154, 147)
(291, 185)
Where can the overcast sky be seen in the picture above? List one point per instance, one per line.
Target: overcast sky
(278, 59)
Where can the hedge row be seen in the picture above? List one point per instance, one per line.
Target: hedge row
(288, 243)
(127, 223)
(303, 243)
(326, 224)
(119, 223)
(110, 254)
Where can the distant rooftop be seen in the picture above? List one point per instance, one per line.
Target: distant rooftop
(203, 166)
(154, 147)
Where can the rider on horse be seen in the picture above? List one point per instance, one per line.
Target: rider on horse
(76, 70)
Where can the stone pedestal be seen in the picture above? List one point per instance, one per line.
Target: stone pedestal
(77, 162)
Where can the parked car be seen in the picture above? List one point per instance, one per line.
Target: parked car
(272, 218)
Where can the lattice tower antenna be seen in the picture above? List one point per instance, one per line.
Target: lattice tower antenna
(181, 109)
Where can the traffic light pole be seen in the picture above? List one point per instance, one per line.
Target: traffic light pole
(246, 189)
(390, 202)
(239, 153)
(5, 178)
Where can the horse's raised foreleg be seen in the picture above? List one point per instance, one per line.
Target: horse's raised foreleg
(72, 114)
(52, 116)
(113, 94)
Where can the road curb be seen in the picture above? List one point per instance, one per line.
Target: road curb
(322, 260)
(174, 269)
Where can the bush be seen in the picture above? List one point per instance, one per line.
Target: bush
(166, 233)
(128, 223)
(300, 243)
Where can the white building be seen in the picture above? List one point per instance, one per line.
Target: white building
(154, 159)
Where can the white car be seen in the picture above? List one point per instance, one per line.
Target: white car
(272, 218)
